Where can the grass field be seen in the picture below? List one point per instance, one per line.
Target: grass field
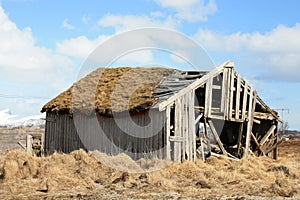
(80, 175)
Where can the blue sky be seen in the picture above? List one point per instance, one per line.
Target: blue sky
(44, 43)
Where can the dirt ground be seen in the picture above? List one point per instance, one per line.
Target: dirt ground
(80, 175)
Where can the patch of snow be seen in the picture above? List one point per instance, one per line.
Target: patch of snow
(8, 120)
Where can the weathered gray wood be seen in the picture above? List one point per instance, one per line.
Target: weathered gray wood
(240, 135)
(213, 130)
(275, 151)
(223, 92)
(29, 143)
(177, 130)
(238, 94)
(208, 98)
(191, 121)
(251, 110)
(168, 145)
(231, 91)
(245, 95)
(177, 139)
(265, 116)
(266, 136)
(257, 143)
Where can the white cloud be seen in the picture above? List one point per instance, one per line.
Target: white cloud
(277, 51)
(22, 60)
(79, 47)
(128, 22)
(65, 24)
(190, 10)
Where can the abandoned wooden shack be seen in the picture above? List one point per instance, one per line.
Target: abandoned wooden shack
(173, 114)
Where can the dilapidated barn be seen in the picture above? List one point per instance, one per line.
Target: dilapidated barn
(162, 112)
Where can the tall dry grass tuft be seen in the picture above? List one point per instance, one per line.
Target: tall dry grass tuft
(62, 175)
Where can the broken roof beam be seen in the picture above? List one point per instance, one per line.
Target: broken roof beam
(195, 84)
(269, 109)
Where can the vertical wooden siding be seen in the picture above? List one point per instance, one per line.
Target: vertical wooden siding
(62, 134)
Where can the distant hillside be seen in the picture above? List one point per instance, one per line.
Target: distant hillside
(291, 134)
(8, 120)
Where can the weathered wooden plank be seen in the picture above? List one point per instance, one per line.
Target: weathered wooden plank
(208, 98)
(266, 116)
(177, 139)
(168, 145)
(231, 91)
(240, 135)
(251, 110)
(266, 136)
(215, 134)
(245, 95)
(177, 130)
(275, 150)
(191, 123)
(238, 94)
(257, 144)
(224, 92)
(29, 143)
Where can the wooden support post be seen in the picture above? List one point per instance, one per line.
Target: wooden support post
(213, 130)
(224, 93)
(206, 134)
(239, 143)
(177, 145)
(231, 91)
(245, 95)
(185, 128)
(208, 97)
(191, 123)
(251, 110)
(275, 151)
(238, 94)
(202, 149)
(168, 125)
(29, 143)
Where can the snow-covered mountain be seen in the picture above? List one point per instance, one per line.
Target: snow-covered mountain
(7, 119)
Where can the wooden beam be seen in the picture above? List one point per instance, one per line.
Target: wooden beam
(191, 123)
(206, 134)
(269, 109)
(266, 116)
(177, 139)
(208, 97)
(231, 91)
(238, 94)
(252, 103)
(213, 130)
(195, 84)
(266, 136)
(257, 144)
(168, 124)
(224, 93)
(177, 131)
(240, 135)
(245, 95)
(275, 150)
(256, 121)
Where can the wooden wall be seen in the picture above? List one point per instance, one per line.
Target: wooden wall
(145, 139)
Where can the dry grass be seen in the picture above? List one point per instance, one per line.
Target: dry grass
(81, 175)
(110, 90)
